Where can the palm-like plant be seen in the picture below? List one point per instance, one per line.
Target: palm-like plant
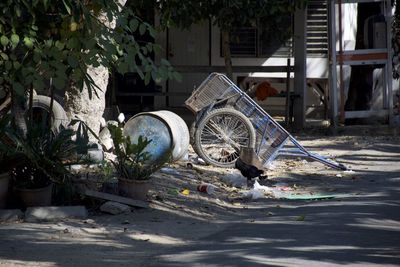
(41, 156)
(131, 159)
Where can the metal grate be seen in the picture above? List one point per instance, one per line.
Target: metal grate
(317, 28)
(211, 89)
(244, 42)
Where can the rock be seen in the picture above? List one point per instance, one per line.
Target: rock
(11, 215)
(95, 154)
(196, 160)
(75, 167)
(114, 208)
(89, 221)
(110, 156)
(43, 214)
(112, 122)
(105, 139)
(103, 123)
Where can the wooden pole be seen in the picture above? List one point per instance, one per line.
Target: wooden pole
(287, 107)
(300, 68)
(333, 97)
(342, 115)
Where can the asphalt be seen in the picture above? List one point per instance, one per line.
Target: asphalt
(350, 232)
(360, 227)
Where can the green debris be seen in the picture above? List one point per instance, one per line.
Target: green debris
(313, 196)
(301, 218)
(173, 191)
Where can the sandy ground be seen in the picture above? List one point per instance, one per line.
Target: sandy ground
(185, 227)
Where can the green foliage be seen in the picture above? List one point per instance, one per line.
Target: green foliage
(44, 39)
(131, 161)
(82, 135)
(40, 157)
(106, 170)
(6, 153)
(228, 15)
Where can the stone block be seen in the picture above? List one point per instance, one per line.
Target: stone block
(11, 215)
(114, 208)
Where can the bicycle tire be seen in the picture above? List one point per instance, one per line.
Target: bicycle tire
(220, 134)
(192, 133)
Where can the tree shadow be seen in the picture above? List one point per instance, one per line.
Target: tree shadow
(358, 227)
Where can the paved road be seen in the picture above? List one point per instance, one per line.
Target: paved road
(361, 229)
(350, 232)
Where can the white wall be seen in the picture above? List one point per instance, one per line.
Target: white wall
(188, 48)
(349, 32)
(316, 67)
(192, 48)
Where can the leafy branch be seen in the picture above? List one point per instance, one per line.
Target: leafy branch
(132, 159)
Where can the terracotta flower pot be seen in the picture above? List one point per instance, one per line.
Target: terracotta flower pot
(35, 197)
(135, 189)
(4, 182)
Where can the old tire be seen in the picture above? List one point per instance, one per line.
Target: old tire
(59, 117)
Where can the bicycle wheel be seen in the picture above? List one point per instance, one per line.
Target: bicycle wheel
(220, 135)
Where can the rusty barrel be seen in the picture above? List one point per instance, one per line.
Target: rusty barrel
(168, 132)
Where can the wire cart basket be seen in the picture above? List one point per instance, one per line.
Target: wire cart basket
(221, 107)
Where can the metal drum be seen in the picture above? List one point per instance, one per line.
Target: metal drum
(168, 132)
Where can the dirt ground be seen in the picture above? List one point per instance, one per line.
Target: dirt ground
(191, 228)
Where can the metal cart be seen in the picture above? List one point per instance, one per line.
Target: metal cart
(227, 119)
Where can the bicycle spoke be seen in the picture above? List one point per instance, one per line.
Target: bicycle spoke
(222, 137)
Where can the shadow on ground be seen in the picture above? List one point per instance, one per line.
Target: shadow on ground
(362, 228)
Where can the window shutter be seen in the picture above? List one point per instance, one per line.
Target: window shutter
(317, 28)
(247, 42)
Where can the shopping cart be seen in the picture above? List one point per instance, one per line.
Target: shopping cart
(228, 119)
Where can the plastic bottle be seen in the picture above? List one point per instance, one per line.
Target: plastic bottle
(207, 188)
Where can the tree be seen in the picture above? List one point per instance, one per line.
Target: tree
(229, 15)
(65, 40)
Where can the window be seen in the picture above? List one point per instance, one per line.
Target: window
(260, 41)
(244, 42)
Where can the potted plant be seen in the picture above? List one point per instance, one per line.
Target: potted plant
(4, 182)
(6, 162)
(41, 157)
(4, 179)
(131, 164)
